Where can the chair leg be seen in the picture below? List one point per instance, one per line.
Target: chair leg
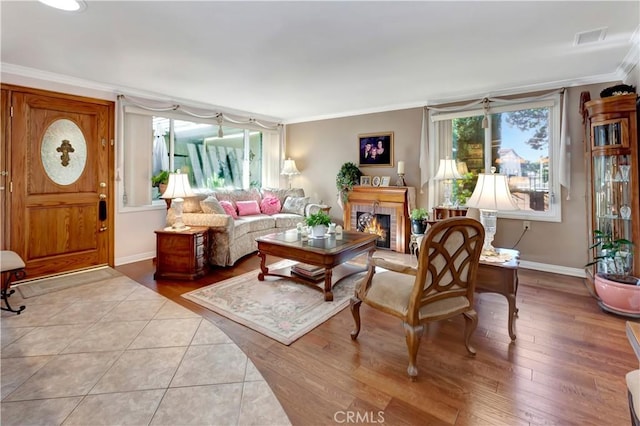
(413, 334)
(471, 322)
(355, 311)
(6, 292)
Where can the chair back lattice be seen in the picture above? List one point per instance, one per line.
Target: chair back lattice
(448, 260)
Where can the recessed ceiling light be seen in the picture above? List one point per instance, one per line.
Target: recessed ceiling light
(68, 5)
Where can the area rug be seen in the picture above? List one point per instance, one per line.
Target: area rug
(36, 287)
(276, 307)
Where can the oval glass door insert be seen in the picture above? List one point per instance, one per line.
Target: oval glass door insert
(63, 152)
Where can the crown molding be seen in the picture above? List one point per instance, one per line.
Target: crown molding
(632, 57)
(47, 76)
(582, 81)
(53, 77)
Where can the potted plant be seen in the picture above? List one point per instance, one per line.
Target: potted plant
(618, 290)
(160, 180)
(318, 222)
(419, 219)
(348, 176)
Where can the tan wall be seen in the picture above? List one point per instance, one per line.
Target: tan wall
(321, 147)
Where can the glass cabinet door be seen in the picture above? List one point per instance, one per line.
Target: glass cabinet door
(612, 195)
(612, 133)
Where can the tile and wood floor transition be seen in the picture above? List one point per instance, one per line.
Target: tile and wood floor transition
(133, 360)
(116, 352)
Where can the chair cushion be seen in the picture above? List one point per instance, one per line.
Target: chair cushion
(390, 290)
(9, 261)
(447, 306)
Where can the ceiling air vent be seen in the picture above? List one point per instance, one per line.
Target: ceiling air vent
(590, 36)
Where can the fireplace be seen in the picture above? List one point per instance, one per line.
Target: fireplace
(374, 223)
(383, 211)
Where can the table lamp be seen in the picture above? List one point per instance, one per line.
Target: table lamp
(447, 171)
(491, 195)
(177, 188)
(289, 169)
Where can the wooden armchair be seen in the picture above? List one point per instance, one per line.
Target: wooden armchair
(441, 287)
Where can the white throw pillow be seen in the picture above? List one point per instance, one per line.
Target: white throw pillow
(295, 205)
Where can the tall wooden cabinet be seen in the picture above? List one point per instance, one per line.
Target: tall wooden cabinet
(612, 166)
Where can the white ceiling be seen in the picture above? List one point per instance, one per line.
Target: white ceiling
(297, 61)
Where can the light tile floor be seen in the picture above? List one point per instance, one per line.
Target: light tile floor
(115, 353)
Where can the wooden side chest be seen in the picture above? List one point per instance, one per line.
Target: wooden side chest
(181, 254)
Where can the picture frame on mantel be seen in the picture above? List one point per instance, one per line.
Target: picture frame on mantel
(375, 149)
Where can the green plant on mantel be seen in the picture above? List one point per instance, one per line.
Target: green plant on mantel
(320, 218)
(348, 176)
(614, 260)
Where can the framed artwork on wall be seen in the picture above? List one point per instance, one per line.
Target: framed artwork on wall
(376, 149)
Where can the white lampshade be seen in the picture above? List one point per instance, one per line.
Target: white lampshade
(289, 168)
(492, 193)
(448, 169)
(178, 186)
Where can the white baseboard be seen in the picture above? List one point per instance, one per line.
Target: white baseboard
(136, 258)
(555, 269)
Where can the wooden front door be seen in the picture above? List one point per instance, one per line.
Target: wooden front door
(61, 208)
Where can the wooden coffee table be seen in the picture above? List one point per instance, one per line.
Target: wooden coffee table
(331, 253)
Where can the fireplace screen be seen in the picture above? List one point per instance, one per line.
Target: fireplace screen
(375, 223)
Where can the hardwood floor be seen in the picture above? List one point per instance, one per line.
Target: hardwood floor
(567, 366)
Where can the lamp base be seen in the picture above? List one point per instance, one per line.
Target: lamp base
(400, 181)
(489, 218)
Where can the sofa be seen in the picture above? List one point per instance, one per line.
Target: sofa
(235, 218)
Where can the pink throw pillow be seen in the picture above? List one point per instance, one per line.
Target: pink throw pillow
(270, 205)
(229, 209)
(247, 208)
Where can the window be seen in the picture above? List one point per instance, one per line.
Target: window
(521, 140)
(212, 159)
(214, 153)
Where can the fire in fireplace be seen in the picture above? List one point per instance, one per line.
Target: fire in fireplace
(375, 223)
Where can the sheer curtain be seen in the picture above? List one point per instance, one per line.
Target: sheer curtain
(271, 158)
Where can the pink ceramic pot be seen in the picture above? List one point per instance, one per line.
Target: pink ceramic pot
(624, 298)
